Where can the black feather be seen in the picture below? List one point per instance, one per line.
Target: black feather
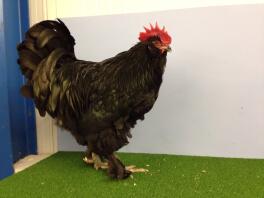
(45, 36)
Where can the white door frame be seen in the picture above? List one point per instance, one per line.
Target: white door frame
(46, 129)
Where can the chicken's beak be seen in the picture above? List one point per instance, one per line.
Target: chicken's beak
(164, 48)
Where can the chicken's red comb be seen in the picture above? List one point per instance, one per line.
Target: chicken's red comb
(155, 31)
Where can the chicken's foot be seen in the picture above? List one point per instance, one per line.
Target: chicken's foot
(100, 164)
(96, 161)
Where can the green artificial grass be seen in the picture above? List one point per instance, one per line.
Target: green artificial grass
(66, 175)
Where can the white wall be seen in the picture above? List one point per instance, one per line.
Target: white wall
(73, 8)
(212, 98)
(51, 9)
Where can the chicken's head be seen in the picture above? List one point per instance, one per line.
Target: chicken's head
(156, 38)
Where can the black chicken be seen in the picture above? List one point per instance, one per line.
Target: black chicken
(98, 102)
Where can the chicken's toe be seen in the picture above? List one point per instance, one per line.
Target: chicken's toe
(134, 169)
(88, 160)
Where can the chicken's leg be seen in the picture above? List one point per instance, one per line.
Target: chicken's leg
(93, 158)
(116, 169)
(98, 163)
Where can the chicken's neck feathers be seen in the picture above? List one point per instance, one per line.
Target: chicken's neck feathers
(136, 69)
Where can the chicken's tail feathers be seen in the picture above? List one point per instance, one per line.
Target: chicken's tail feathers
(45, 44)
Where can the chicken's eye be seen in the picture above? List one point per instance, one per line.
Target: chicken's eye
(156, 42)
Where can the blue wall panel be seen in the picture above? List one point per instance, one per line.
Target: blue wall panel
(17, 116)
(29, 105)
(5, 136)
(21, 112)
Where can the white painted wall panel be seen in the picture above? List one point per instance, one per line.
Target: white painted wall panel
(74, 8)
(211, 101)
(252, 139)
